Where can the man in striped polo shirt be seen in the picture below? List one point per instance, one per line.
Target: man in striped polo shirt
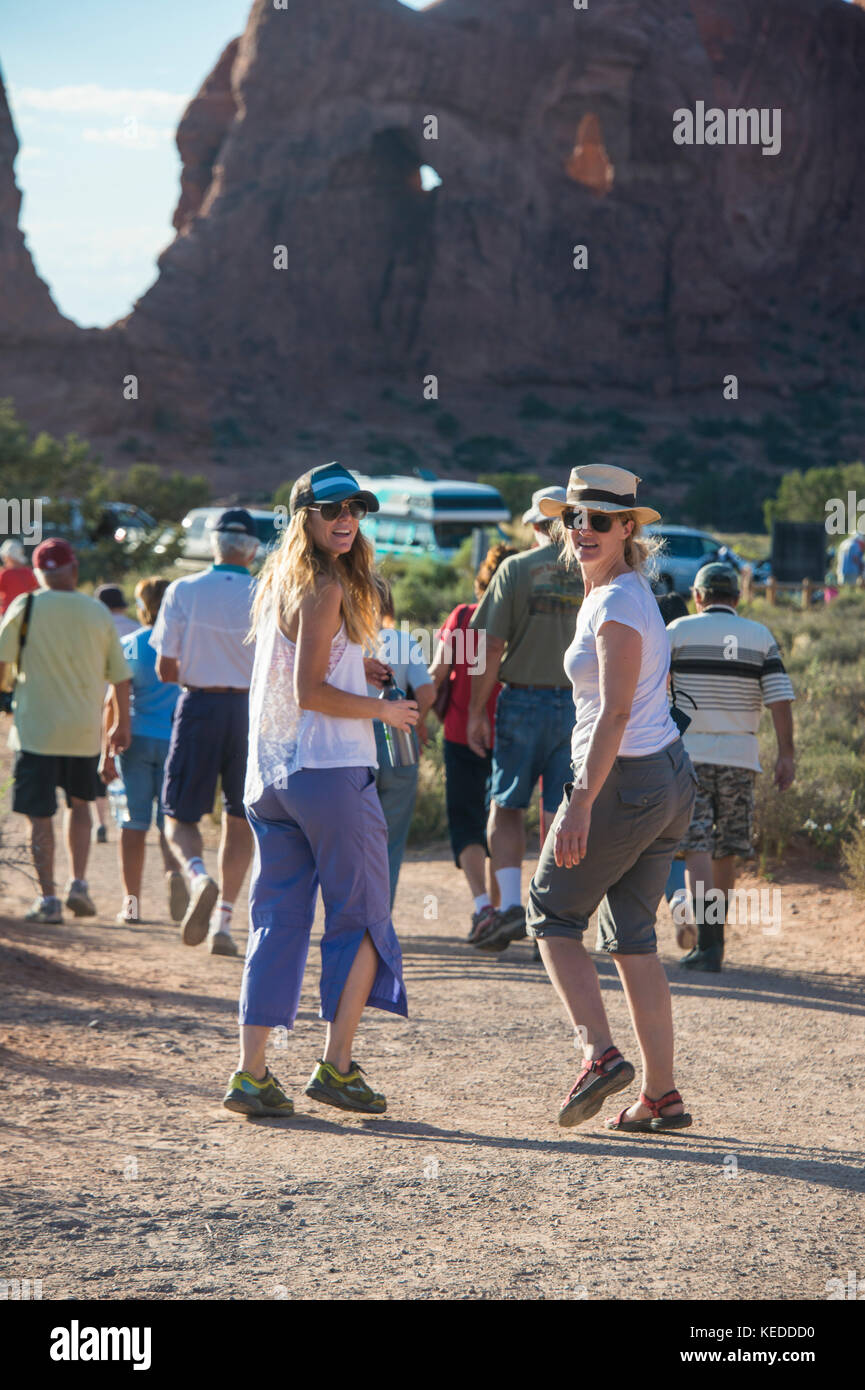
(724, 669)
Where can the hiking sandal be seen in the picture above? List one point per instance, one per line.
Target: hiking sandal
(658, 1121)
(580, 1105)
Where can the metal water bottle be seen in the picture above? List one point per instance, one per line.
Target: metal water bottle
(401, 744)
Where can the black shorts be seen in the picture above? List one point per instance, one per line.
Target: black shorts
(209, 739)
(467, 796)
(38, 775)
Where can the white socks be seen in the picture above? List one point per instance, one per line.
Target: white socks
(220, 918)
(482, 901)
(196, 867)
(510, 887)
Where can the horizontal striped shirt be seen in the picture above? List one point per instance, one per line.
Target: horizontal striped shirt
(724, 670)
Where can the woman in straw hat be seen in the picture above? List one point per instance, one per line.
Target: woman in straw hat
(622, 818)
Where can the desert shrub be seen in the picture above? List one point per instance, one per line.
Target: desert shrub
(395, 451)
(803, 496)
(822, 652)
(166, 496)
(533, 407)
(425, 590)
(447, 425)
(516, 488)
(580, 450)
(853, 860)
(482, 453)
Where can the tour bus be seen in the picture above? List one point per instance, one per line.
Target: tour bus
(422, 516)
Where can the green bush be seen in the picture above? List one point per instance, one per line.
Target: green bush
(166, 496)
(447, 425)
(823, 654)
(533, 407)
(580, 450)
(516, 488)
(482, 453)
(803, 496)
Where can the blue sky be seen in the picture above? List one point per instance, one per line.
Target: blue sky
(96, 90)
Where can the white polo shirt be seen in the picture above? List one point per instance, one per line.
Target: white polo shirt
(202, 623)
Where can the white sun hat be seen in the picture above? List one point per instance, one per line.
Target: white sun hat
(600, 487)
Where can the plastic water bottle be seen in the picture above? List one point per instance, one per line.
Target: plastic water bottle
(401, 744)
(117, 800)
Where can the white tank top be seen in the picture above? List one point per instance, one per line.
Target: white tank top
(283, 737)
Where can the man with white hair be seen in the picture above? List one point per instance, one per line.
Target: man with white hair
(64, 648)
(199, 638)
(16, 576)
(540, 523)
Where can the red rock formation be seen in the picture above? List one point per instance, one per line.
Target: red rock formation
(202, 129)
(309, 135)
(26, 307)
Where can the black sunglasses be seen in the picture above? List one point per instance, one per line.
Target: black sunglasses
(356, 508)
(572, 519)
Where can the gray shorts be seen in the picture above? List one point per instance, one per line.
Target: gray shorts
(641, 814)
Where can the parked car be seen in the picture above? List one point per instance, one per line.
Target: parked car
(123, 522)
(196, 551)
(685, 551)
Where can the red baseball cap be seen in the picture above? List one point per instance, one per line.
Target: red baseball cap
(53, 554)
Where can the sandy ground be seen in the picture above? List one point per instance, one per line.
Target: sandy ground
(123, 1176)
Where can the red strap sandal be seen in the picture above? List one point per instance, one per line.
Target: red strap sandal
(579, 1105)
(658, 1121)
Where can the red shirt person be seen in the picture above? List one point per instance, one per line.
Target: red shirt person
(16, 576)
(467, 775)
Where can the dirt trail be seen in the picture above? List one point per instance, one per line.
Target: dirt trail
(126, 1178)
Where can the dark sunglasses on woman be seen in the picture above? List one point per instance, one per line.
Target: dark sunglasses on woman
(572, 519)
(355, 507)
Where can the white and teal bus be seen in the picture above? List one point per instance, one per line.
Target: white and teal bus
(420, 516)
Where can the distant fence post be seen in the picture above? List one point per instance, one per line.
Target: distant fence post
(747, 584)
(807, 586)
(772, 589)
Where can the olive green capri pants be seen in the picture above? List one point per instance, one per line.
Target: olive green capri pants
(638, 820)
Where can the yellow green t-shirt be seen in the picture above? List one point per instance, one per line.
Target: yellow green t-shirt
(72, 649)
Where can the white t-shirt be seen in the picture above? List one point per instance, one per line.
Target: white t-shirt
(627, 600)
(203, 621)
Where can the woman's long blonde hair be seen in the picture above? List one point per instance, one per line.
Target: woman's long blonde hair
(296, 566)
(640, 549)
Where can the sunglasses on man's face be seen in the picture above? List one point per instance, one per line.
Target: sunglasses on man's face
(577, 519)
(356, 508)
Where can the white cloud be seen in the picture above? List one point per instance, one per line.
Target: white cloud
(105, 101)
(132, 135)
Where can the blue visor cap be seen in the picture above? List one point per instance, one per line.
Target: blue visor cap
(330, 482)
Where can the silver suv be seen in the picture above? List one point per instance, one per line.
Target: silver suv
(684, 552)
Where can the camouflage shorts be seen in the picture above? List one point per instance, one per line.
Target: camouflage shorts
(723, 818)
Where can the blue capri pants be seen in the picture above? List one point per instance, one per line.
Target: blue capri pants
(325, 829)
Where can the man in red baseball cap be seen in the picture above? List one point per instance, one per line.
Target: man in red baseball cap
(64, 646)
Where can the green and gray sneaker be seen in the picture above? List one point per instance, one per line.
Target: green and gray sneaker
(250, 1097)
(348, 1092)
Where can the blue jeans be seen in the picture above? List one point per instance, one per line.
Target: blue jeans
(397, 792)
(533, 739)
(141, 769)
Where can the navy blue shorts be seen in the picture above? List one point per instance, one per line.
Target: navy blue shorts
(209, 738)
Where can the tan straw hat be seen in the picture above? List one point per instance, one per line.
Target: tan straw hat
(599, 487)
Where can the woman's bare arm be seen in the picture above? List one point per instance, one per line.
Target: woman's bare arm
(318, 624)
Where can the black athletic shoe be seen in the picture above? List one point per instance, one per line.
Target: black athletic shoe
(709, 961)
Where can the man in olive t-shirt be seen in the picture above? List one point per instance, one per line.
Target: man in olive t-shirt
(528, 613)
(71, 649)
